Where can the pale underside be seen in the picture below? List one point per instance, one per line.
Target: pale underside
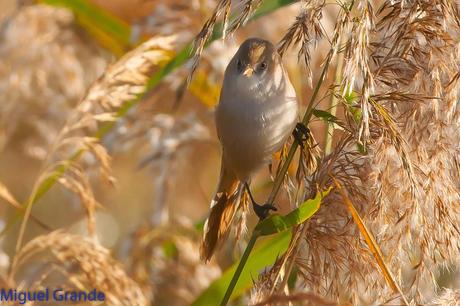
(253, 119)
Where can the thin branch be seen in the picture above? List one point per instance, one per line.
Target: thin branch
(239, 269)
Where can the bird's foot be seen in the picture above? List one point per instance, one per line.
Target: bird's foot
(262, 211)
(301, 133)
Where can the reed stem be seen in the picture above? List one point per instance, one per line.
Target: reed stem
(240, 268)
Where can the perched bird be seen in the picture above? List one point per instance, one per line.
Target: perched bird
(256, 113)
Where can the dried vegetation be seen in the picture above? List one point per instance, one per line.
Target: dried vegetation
(395, 151)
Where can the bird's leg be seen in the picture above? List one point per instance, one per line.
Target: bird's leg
(262, 211)
(301, 133)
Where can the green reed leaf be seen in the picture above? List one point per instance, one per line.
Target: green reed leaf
(324, 115)
(264, 255)
(277, 223)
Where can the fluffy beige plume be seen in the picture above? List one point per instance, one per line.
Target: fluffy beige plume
(77, 263)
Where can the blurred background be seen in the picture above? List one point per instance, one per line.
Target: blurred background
(131, 211)
(165, 152)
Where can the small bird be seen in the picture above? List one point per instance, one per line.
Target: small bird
(256, 113)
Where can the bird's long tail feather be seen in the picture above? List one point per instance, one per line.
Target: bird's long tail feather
(223, 208)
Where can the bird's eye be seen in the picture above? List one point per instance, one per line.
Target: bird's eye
(263, 66)
(239, 65)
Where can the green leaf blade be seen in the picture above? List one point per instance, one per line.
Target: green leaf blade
(324, 115)
(276, 223)
(264, 255)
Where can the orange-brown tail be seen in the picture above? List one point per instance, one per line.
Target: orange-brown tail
(223, 208)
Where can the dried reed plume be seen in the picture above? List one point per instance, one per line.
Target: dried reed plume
(223, 8)
(121, 84)
(401, 67)
(421, 61)
(448, 298)
(306, 31)
(77, 263)
(65, 61)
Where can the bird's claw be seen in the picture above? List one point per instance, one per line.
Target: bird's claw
(262, 211)
(301, 133)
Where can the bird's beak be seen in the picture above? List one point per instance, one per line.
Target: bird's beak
(248, 71)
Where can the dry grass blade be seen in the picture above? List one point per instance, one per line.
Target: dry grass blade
(370, 241)
(10, 199)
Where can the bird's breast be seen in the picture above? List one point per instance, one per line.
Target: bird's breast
(252, 127)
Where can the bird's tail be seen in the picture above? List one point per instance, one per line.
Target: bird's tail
(223, 207)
